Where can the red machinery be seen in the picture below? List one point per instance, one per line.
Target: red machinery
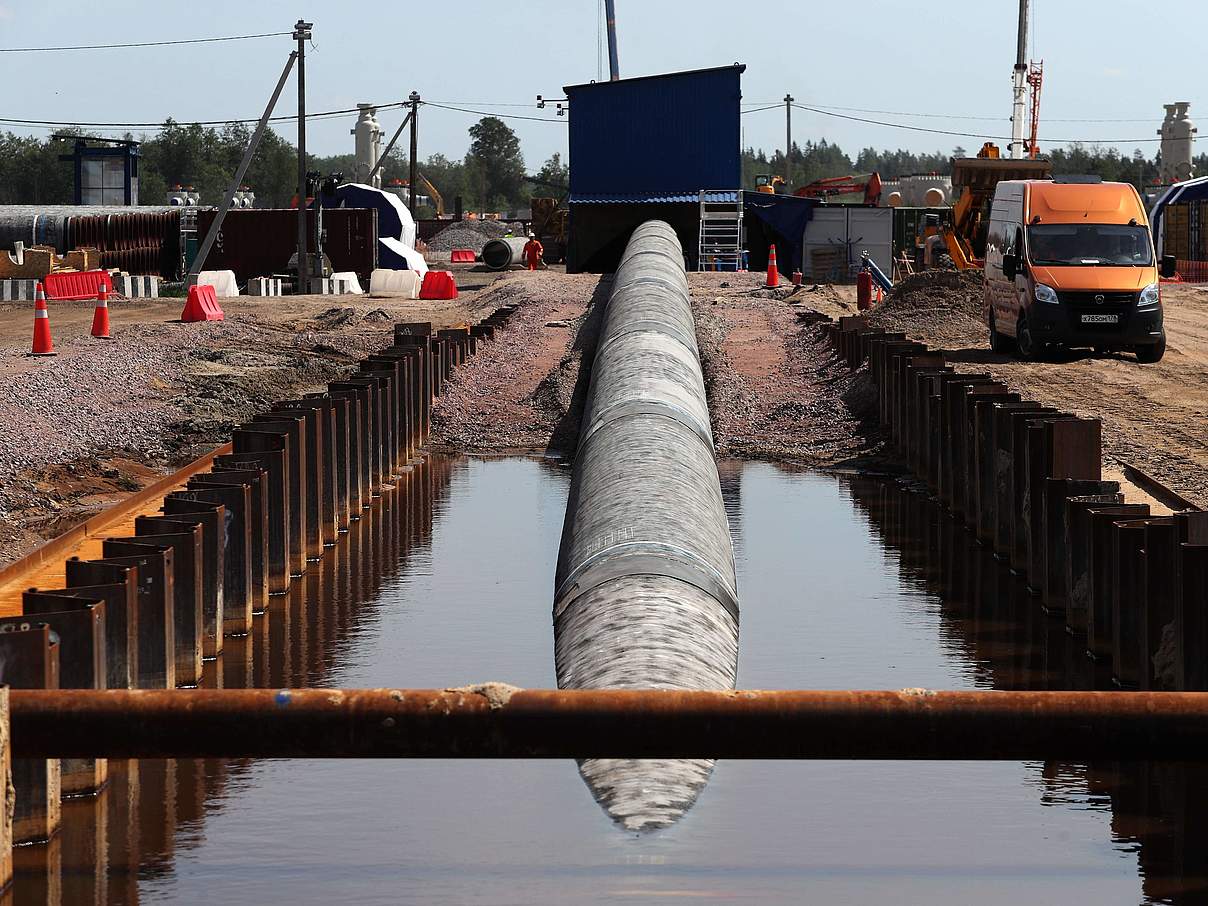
(844, 185)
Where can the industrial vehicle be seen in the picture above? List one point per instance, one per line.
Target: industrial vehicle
(869, 185)
(1070, 262)
(975, 179)
(770, 185)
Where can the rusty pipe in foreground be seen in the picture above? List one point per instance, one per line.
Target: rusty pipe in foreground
(498, 721)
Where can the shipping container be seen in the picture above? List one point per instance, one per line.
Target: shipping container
(259, 242)
(669, 134)
(644, 148)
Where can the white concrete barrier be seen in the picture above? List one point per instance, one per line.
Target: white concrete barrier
(224, 283)
(348, 283)
(384, 282)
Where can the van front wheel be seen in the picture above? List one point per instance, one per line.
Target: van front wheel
(1147, 355)
(998, 343)
(1025, 343)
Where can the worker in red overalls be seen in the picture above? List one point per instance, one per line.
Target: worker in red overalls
(533, 250)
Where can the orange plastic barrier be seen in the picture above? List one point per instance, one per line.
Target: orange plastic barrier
(202, 305)
(438, 285)
(78, 285)
(462, 256)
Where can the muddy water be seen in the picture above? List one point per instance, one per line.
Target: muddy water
(844, 583)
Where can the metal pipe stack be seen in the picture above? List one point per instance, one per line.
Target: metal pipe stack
(645, 594)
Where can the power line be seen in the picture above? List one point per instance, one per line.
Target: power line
(506, 116)
(58, 124)
(1051, 141)
(272, 34)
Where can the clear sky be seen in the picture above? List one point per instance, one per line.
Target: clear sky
(916, 59)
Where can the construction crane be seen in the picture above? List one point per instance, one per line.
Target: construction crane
(1019, 80)
(1035, 80)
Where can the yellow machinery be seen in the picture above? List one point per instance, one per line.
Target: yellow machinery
(438, 200)
(769, 185)
(974, 178)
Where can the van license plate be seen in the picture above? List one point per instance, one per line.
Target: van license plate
(1100, 319)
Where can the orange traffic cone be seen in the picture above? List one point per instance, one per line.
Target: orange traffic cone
(42, 342)
(773, 273)
(100, 316)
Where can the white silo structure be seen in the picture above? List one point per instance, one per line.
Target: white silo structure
(368, 135)
(1178, 136)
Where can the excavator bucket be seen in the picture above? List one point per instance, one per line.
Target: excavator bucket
(983, 173)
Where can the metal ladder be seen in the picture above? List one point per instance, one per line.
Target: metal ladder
(721, 239)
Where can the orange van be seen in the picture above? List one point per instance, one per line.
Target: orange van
(1070, 262)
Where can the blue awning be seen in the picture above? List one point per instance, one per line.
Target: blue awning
(655, 198)
(1191, 190)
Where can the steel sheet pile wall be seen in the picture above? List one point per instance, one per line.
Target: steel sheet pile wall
(1027, 481)
(163, 597)
(645, 593)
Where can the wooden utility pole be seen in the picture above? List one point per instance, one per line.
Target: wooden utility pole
(414, 98)
(302, 32)
(788, 134)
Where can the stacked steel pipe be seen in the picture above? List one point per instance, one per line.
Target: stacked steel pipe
(1027, 481)
(136, 240)
(645, 593)
(162, 598)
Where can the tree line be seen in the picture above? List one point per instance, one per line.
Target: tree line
(491, 176)
(818, 160)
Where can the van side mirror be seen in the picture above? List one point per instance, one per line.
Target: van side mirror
(1010, 265)
(1169, 266)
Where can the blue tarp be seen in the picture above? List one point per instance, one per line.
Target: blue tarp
(784, 217)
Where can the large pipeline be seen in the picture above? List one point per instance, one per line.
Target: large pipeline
(645, 594)
(500, 254)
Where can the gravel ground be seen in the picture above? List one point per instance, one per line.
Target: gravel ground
(775, 391)
(103, 418)
(523, 392)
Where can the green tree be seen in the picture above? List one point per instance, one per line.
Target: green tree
(495, 165)
(553, 178)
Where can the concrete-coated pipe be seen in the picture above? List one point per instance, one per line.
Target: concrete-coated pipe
(500, 254)
(645, 594)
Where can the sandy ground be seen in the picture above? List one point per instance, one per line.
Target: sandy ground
(1155, 417)
(103, 418)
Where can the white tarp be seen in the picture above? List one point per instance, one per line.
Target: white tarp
(415, 261)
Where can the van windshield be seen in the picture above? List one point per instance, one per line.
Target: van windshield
(1089, 244)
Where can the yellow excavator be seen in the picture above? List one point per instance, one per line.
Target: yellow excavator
(974, 178)
(438, 200)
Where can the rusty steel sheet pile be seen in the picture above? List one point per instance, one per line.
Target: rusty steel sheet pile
(645, 593)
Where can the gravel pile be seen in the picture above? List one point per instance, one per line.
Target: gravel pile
(472, 234)
(944, 305)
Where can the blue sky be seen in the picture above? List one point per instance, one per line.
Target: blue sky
(916, 60)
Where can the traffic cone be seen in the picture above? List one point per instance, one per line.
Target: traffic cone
(100, 316)
(43, 345)
(773, 273)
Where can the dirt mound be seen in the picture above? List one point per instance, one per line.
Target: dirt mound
(944, 306)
